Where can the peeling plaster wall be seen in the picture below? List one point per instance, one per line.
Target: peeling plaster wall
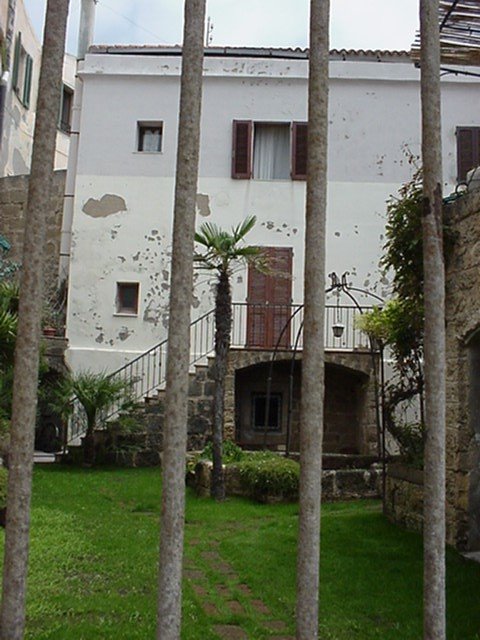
(374, 116)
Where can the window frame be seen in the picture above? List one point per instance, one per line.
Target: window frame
(256, 395)
(64, 126)
(474, 131)
(149, 124)
(243, 134)
(264, 124)
(22, 73)
(120, 308)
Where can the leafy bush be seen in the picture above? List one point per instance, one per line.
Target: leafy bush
(3, 487)
(269, 474)
(411, 439)
(231, 452)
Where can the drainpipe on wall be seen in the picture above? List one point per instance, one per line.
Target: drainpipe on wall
(85, 39)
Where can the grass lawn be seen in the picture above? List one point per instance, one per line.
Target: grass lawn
(94, 566)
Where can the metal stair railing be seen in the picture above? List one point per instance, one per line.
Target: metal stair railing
(146, 374)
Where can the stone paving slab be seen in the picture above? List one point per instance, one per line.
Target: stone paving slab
(226, 594)
(230, 632)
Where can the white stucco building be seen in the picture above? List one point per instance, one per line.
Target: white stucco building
(252, 161)
(119, 277)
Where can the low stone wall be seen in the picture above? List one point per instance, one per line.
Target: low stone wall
(404, 496)
(341, 484)
(13, 200)
(120, 458)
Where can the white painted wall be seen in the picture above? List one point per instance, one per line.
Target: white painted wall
(19, 123)
(374, 117)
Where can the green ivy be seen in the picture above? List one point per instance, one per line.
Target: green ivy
(231, 452)
(399, 324)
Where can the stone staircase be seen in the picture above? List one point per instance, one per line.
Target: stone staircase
(200, 408)
(142, 445)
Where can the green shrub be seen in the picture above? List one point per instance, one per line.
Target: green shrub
(3, 487)
(231, 452)
(411, 441)
(267, 474)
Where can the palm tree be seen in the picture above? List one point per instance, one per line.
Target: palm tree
(223, 250)
(27, 349)
(95, 392)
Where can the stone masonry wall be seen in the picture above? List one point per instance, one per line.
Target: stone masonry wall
(404, 496)
(13, 200)
(360, 362)
(341, 484)
(462, 324)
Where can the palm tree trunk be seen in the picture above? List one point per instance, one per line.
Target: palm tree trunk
(311, 425)
(175, 434)
(12, 621)
(223, 323)
(434, 342)
(89, 444)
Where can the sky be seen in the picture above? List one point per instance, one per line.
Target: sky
(355, 24)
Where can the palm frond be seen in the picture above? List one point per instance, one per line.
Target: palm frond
(223, 247)
(241, 230)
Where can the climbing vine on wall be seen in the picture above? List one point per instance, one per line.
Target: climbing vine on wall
(399, 324)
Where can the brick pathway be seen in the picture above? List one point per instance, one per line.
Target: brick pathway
(220, 600)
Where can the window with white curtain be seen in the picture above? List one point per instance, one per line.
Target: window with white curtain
(150, 137)
(271, 151)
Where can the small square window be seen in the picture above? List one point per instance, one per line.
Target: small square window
(150, 136)
(127, 298)
(259, 412)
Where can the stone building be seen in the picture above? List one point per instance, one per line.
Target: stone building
(463, 374)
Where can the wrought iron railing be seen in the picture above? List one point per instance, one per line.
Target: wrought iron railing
(260, 325)
(145, 374)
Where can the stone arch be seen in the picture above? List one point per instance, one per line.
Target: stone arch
(350, 426)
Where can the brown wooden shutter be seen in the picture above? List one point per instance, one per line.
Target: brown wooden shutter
(468, 150)
(299, 150)
(269, 298)
(242, 149)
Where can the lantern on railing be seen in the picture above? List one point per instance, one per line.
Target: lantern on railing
(338, 327)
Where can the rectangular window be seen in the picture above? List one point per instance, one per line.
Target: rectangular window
(269, 151)
(259, 412)
(127, 298)
(66, 109)
(150, 136)
(22, 73)
(468, 150)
